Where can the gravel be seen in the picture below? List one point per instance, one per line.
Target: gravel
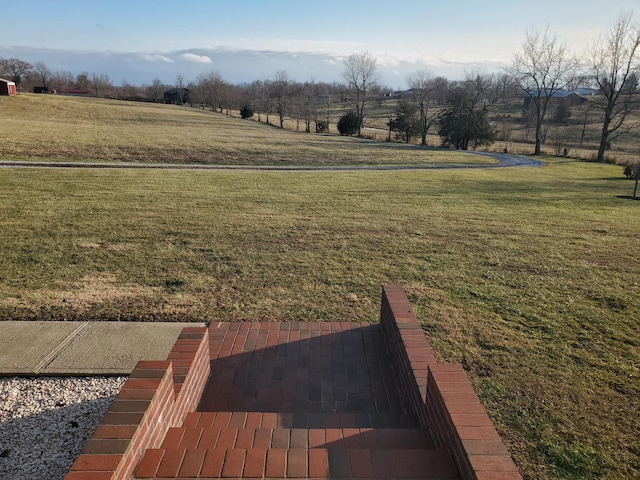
(45, 422)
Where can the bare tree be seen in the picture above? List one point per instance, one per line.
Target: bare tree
(360, 73)
(233, 97)
(586, 119)
(155, 90)
(212, 90)
(281, 87)
(180, 87)
(82, 81)
(305, 104)
(102, 85)
(253, 92)
(542, 69)
(18, 69)
(441, 89)
(127, 91)
(42, 73)
(614, 64)
(296, 103)
(62, 80)
(506, 87)
(422, 86)
(321, 106)
(267, 98)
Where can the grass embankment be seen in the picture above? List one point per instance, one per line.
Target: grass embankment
(88, 129)
(529, 277)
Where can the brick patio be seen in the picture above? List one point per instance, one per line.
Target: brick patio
(333, 400)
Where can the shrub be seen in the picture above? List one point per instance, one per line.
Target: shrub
(246, 112)
(348, 124)
(632, 170)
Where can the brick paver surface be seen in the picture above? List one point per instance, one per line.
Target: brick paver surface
(298, 400)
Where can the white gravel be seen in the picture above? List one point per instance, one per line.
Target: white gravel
(45, 422)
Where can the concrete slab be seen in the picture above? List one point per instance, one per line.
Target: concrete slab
(83, 348)
(26, 345)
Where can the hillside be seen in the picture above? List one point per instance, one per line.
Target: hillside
(90, 129)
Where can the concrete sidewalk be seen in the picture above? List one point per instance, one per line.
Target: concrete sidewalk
(83, 348)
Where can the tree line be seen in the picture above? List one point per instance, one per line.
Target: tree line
(468, 113)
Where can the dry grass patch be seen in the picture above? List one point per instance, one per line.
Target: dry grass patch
(88, 129)
(100, 297)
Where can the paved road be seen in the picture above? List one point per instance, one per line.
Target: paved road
(503, 160)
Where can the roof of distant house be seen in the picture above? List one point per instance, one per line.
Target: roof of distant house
(582, 92)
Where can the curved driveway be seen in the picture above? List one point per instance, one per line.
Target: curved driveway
(503, 160)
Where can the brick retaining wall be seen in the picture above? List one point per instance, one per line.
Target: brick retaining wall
(441, 396)
(156, 396)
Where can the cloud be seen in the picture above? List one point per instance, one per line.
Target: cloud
(288, 45)
(157, 58)
(238, 66)
(196, 58)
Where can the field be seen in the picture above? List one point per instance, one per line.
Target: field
(528, 277)
(70, 128)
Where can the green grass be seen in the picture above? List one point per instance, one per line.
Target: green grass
(528, 277)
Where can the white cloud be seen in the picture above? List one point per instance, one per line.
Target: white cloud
(191, 57)
(288, 45)
(157, 58)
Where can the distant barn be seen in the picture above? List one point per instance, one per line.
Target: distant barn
(173, 96)
(7, 87)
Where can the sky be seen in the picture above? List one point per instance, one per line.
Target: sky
(138, 41)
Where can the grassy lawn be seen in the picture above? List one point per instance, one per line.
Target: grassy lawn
(89, 129)
(529, 277)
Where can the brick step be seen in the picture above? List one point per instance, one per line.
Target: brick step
(296, 463)
(300, 420)
(246, 438)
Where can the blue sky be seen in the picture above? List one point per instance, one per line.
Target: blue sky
(244, 40)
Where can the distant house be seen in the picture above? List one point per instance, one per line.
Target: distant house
(571, 98)
(585, 91)
(40, 90)
(7, 87)
(173, 96)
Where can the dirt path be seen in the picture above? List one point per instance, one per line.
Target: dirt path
(503, 160)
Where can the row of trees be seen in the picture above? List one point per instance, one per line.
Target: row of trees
(464, 110)
(544, 66)
(541, 70)
(40, 77)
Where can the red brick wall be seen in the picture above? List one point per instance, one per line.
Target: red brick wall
(156, 396)
(441, 396)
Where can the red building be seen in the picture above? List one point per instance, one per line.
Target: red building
(7, 87)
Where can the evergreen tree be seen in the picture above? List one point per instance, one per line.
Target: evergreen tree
(406, 124)
(349, 124)
(464, 123)
(246, 112)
